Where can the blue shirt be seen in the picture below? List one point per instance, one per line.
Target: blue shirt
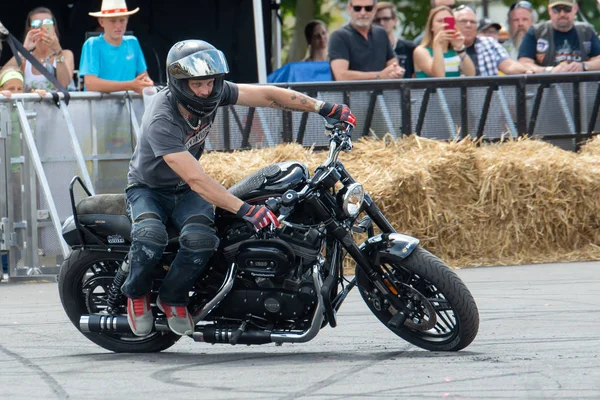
(114, 63)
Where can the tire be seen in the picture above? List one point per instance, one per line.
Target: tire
(432, 289)
(80, 275)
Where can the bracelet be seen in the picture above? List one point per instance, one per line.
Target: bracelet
(378, 76)
(58, 53)
(461, 50)
(318, 105)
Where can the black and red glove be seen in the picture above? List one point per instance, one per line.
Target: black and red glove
(334, 113)
(259, 216)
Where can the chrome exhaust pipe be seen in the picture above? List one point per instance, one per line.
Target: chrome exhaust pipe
(213, 333)
(223, 291)
(315, 326)
(114, 324)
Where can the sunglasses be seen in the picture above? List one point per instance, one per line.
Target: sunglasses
(558, 9)
(382, 19)
(367, 8)
(464, 7)
(36, 23)
(520, 4)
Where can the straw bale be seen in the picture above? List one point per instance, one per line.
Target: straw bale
(592, 147)
(522, 201)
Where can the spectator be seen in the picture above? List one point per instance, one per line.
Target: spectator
(503, 36)
(385, 16)
(12, 82)
(359, 50)
(442, 52)
(521, 17)
(561, 44)
(487, 54)
(113, 61)
(434, 4)
(42, 40)
(317, 37)
(488, 28)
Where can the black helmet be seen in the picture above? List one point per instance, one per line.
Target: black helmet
(196, 59)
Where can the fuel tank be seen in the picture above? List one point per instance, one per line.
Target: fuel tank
(271, 180)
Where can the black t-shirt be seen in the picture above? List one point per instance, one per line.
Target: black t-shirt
(473, 55)
(164, 131)
(404, 54)
(363, 55)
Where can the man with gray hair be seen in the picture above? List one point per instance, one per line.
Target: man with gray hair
(521, 17)
(360, 50)
(561, 44)
(487, 54)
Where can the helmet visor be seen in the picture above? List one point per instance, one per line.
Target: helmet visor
(205, 63)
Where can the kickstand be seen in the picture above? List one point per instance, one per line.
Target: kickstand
(237, 334)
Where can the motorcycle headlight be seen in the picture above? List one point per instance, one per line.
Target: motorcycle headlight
(353, 199)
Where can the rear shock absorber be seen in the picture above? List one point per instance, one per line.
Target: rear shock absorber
(114, 294)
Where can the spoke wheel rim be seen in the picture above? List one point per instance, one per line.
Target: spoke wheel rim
(440, 327)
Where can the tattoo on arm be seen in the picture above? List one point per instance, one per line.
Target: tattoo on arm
(304, 100)
(275, 104)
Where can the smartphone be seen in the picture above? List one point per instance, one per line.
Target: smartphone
(450, 23)
(48, 26)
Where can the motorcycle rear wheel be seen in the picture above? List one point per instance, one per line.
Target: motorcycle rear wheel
(83, 283)
(444, 314)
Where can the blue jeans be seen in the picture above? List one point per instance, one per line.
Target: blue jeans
(150, 210)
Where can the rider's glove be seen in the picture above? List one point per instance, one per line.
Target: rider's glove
(259, 216)
(334, 113)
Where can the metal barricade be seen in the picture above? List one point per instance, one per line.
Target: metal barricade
(42, 147)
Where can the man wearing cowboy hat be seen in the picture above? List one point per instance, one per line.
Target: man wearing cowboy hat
(113, 62)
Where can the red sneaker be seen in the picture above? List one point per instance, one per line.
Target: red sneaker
(139, 315)
(179, 319)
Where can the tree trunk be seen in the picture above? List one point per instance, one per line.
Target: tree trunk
(305, 11)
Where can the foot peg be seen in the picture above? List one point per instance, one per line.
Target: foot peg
(237, 334)
(397, 321)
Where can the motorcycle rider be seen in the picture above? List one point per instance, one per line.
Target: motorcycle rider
(166, 182)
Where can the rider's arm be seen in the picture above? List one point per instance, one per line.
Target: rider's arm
(275, 97)
(190, 170)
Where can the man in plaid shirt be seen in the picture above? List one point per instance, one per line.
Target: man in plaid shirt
(487, 54)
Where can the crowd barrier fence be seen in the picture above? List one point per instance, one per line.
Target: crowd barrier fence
(43, 144)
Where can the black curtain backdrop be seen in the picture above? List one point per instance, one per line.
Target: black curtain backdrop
(227, 24)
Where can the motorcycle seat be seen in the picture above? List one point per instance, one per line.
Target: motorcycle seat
(110, 204)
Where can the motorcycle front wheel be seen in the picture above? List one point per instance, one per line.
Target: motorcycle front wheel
(442, 316)
(83, 284)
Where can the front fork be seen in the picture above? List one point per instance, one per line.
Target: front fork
(359, 254)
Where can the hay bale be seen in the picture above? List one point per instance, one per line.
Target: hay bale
(523, 201)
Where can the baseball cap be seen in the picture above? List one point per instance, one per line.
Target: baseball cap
(552, 3)
(485, 23)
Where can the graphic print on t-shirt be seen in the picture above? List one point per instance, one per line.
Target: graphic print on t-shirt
(565, 52)
(198, 137)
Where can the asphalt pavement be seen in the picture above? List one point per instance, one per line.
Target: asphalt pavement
(539, 338)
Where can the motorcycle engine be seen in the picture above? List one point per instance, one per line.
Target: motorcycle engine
(276, 276)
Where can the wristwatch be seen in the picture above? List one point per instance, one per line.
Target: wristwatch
(59, 59)
(585, 66)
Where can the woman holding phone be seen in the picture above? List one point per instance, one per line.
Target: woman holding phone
(442, 52)
(41, 39)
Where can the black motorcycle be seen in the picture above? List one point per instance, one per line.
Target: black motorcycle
(275, 285)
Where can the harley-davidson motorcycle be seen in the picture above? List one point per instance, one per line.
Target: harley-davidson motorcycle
(275, 285)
